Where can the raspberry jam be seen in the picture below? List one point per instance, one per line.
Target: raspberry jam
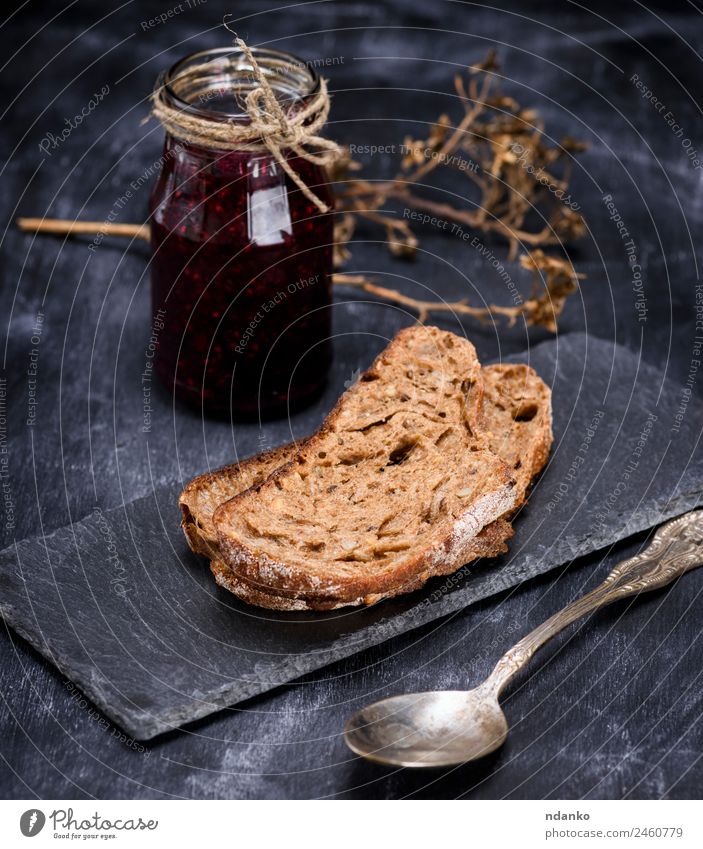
(241, 259)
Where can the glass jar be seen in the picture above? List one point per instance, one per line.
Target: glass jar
(241, 267)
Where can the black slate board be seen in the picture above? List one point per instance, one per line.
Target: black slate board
(122, 607)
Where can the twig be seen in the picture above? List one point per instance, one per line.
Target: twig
(422, 308)
(507, 159)
(64, 227)
(556, 276)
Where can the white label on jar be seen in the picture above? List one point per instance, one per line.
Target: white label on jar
(269, 215)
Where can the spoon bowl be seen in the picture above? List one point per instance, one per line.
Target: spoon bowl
(434, 729)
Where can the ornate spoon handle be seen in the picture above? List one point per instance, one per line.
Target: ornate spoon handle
(675, 548)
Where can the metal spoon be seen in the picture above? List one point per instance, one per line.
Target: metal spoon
(449, 727)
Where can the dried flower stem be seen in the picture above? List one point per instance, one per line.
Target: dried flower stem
(423, 308)
(507, 160)
(506, 157)
(478, 221)
(559, 277)
(556, 276)
(65, 227)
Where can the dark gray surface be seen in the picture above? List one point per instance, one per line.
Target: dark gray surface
(611, 709)
(118, 603)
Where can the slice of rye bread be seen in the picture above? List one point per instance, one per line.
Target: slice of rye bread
(517, 411)
(204, 494)
(394, 487)
(516, 414)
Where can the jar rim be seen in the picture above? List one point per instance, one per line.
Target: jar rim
(267, 58)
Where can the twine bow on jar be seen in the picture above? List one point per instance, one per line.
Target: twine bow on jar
(269, 126)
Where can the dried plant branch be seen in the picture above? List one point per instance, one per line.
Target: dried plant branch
(555, 276)
(423, 308)
(400, 238)
(344, 226)
(507, 159)
(520, 189)
(519, 183)
(478, 221)
(559, 280)
(65, 227)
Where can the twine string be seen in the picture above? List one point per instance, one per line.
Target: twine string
(269, 125)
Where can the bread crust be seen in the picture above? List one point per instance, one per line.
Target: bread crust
(196, 499)
(490, 542)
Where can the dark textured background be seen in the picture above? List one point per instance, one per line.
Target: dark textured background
(612, 708)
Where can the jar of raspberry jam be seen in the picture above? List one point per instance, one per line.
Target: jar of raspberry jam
(241, 261)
